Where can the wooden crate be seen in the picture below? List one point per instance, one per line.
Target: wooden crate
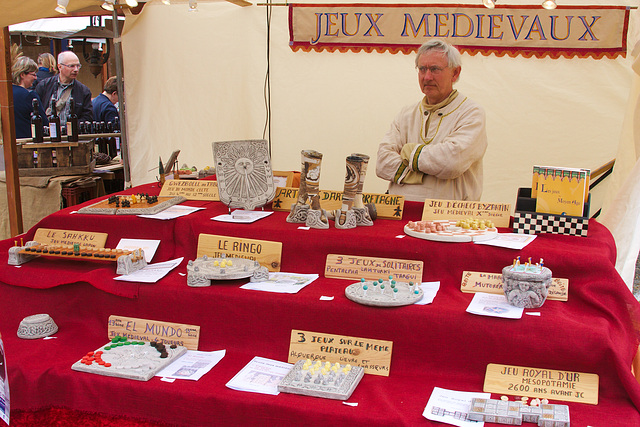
(71, 158)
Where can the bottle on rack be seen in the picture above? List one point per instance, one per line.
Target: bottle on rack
(54, 123)
(37, 130)
(72, 122)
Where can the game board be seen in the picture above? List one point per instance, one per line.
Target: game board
(134, 360)
(138, 205)
(382, 293)
(331, 381)
(202, 270)
(447, 231)
(515, 413)
(127, 261)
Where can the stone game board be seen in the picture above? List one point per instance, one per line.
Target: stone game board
(330, 381)
(377, 296)
(134, 360)
(452, 233)
(141, 208)
(202, 270)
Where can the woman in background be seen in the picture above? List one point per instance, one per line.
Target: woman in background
(24, 74)
(46, 68)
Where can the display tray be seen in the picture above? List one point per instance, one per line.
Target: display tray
(330, 384)
(67, 251)
(452, 233)
(387, 297)
(103, 207)
(134, 360)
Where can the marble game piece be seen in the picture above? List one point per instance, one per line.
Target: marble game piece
(307, 209)
(345, 217)
(134, 360)
(134, 261)
(526, 285)
(327, 380)
(202, 270)
(244, 173)
(17, 255)
(384, 293)
(37, 326)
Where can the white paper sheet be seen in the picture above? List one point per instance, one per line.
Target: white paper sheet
(241, 216)
(493, 305)
(192, 365)
(152, 272)
(148, 246)
(284, 283)
(509, 240)
(444, 404)
(172, 212)
(260, 376)
(430, 290)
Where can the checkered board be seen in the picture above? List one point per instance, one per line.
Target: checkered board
(452, 233)
(537, 223)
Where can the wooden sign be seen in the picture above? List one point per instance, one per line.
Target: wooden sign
(206, 190)
(357, 267)
(546, 383)
(498, 213)
(387, 205)
(86, 239)
(267, 253)
(151, 330)
(374, 356)
(491, 283)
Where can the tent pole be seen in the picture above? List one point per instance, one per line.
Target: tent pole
(14, 203)
(124, 144)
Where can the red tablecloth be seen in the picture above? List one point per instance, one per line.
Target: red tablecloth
(434, 345)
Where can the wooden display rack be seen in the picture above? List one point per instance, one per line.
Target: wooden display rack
(72, 158)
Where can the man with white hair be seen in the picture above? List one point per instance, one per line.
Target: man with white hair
(64, 86)
(434, 148)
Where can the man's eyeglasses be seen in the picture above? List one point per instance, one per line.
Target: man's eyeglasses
(433, 69)
(78, 66)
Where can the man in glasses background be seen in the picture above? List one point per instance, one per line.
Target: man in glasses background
(434, 148)
(64, 86)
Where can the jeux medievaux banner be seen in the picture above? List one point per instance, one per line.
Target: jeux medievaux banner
(568, 31)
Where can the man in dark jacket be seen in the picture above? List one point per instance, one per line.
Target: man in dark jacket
(64, 86)
(104, 109)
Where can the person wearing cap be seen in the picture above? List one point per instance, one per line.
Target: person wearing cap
(434, 148)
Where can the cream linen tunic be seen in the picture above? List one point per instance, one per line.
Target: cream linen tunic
(452, 159)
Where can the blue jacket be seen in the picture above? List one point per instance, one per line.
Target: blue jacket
(81, 95)
(103, 109)
(22, 108)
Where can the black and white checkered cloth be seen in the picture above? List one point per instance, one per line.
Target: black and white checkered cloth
(537, 223)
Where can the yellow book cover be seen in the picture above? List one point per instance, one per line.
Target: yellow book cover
(561, 191)
(534, 181)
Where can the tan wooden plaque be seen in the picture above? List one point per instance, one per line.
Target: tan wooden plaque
(499, 213)
(86, 239)
(546, 383)
(374, 356)
(357, 267)
(267, 253)
(192, 189)
(387, 205)
(153, 330)
(491, 283)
